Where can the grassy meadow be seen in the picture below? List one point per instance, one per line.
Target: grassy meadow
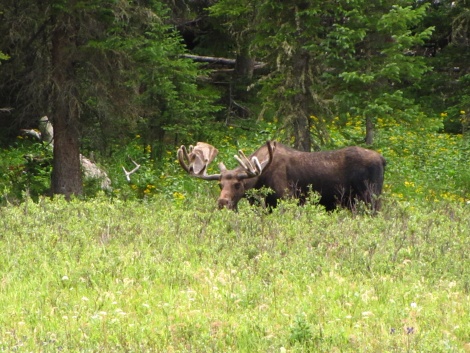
(164, 276)
(154, 267)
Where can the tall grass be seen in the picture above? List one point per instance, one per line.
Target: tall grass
(178, 276)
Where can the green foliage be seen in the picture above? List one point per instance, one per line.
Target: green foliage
(345, 57)
(379, 62)
(24, 170)
(125, 72)
(421, 162)
(158, 275)
(3, 57)
(429, 165)
(170, 100)
(445, 90)
(301, 331)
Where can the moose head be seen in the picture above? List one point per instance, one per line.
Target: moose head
(233, 183)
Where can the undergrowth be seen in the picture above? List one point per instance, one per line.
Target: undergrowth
(159, 276)
(421, 164)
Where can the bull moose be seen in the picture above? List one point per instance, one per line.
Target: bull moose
(341, 177)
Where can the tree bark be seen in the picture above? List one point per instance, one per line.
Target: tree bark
(302, 139)
(244, 67)
(300, 103)
(66, 173)
(370, 131)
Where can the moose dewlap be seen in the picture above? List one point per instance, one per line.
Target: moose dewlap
(341, 177)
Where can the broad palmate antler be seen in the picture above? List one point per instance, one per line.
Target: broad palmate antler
(197, 160)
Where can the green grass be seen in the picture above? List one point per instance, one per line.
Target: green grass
(163, 276)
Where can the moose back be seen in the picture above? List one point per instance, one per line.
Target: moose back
(341, 177)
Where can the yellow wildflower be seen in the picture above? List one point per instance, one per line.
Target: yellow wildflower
(178, 195)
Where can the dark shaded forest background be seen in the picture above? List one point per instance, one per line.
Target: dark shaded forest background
(175, 72)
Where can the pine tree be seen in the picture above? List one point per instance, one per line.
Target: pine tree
(97, 65)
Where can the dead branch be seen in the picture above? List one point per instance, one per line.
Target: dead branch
(218, 60)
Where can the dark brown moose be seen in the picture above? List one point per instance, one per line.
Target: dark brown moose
(341, 177)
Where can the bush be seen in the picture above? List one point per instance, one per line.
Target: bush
(25, 170)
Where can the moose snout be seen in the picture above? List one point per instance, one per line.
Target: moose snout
(225, 203)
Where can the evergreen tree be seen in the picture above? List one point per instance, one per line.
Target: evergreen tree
(344, 57)
(445, 91)
(374, 59)
(97, 65)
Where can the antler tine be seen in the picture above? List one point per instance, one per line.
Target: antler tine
(252, 167)
(271, 148)
(240, 152)
(183, 158)
(257, 164)
(241, 162)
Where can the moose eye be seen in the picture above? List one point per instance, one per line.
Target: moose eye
(220, 186)
(237, 186)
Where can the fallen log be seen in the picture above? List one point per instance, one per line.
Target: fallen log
(218, 60)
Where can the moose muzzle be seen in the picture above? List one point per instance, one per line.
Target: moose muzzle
(225, 203)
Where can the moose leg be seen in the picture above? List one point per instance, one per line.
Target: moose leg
(369, 193)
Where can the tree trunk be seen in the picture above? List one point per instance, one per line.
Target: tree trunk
(244, 67)
(242, 77)
(370, 131)
(302, 139)
(300, 102)
(66, 173)
(154, 137)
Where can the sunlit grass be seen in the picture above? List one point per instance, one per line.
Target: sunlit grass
(179, 276)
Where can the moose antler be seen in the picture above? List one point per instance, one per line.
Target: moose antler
(254, 167)
(197, 160)
(128, 174)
